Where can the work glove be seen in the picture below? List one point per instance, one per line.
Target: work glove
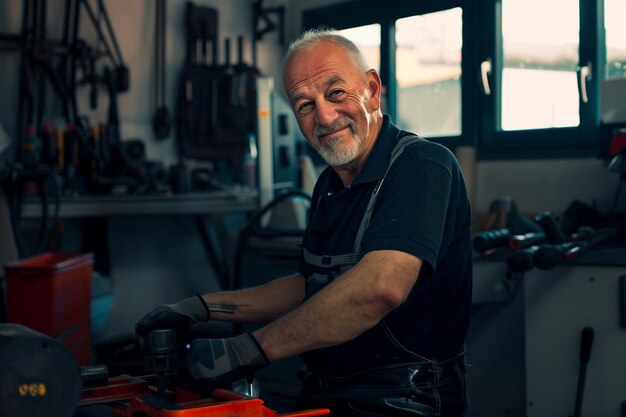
(179, 316)
(219, 362)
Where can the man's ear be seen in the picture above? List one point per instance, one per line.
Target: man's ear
(375, 88)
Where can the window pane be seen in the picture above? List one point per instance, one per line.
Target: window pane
(367, 38)
(614, 15)
(540, 45)
(428, 73)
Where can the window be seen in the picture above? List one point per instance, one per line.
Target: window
(428, 73)
(615, 35)
(544, 99)
(367, 38)
(516, 78)
(539, 79)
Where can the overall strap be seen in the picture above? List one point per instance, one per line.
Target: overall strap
(328, 261)
(397, 151)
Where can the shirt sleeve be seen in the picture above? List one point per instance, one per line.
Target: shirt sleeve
(412, 206)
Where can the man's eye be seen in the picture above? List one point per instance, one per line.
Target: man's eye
(335, 93)
(304, 108)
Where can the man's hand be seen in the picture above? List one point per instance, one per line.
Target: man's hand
(222, 361)
(180, 316)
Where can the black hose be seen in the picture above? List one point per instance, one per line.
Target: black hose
(252, 229)
(47, 224)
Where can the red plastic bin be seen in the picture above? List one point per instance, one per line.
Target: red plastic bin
(51, 293)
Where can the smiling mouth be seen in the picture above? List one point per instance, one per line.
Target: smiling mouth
(333, 133)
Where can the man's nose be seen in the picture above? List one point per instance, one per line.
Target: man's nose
(325, 113)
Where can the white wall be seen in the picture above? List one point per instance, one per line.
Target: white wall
(547, 184)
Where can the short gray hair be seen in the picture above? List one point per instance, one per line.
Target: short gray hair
(314, 37)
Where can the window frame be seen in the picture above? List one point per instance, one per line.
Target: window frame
(579, 141)
(481, 40)
(364, 12)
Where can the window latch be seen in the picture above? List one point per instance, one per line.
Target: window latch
(585, 75)
(485, 71)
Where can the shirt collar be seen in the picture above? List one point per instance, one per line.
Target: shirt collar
(378, 160)
(376, 164)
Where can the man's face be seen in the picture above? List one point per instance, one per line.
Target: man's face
(335, 102)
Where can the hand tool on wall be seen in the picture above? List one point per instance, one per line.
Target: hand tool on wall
(548, 255)
(121, 71)
(263, 24)
(161, 120)
(593, 240)
(522, 260)
(586, 342)
(490, 239)
(195, 112)
(526, 240)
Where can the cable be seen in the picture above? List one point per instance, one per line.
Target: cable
(617, 193)
(46, 227)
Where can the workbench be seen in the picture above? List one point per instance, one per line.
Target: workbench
(523, 353)
(210, 203)
(159, 248)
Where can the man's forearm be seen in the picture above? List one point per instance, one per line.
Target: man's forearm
(352, 304)
(259, 304)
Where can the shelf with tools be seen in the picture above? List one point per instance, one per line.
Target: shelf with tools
(215, 202)
(610, 255)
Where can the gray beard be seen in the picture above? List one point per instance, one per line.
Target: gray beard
(337, 153)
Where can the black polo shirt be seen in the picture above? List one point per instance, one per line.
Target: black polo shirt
(422, 209)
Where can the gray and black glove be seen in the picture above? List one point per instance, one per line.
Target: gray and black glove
(179, 316)
(219, 362)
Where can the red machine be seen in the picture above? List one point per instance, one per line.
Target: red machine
(132, 396)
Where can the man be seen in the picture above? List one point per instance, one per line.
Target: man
(380, 307)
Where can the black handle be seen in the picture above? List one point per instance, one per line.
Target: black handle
(491, 239)
(550, 227)
(586, 341)
(585, 344)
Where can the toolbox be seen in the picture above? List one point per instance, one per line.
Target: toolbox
(51, 293)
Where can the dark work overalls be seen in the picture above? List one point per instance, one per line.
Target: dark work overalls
(416, 386)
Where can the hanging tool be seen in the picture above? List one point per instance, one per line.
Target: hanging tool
(161, 120)
(121, 72)
(263, 24)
